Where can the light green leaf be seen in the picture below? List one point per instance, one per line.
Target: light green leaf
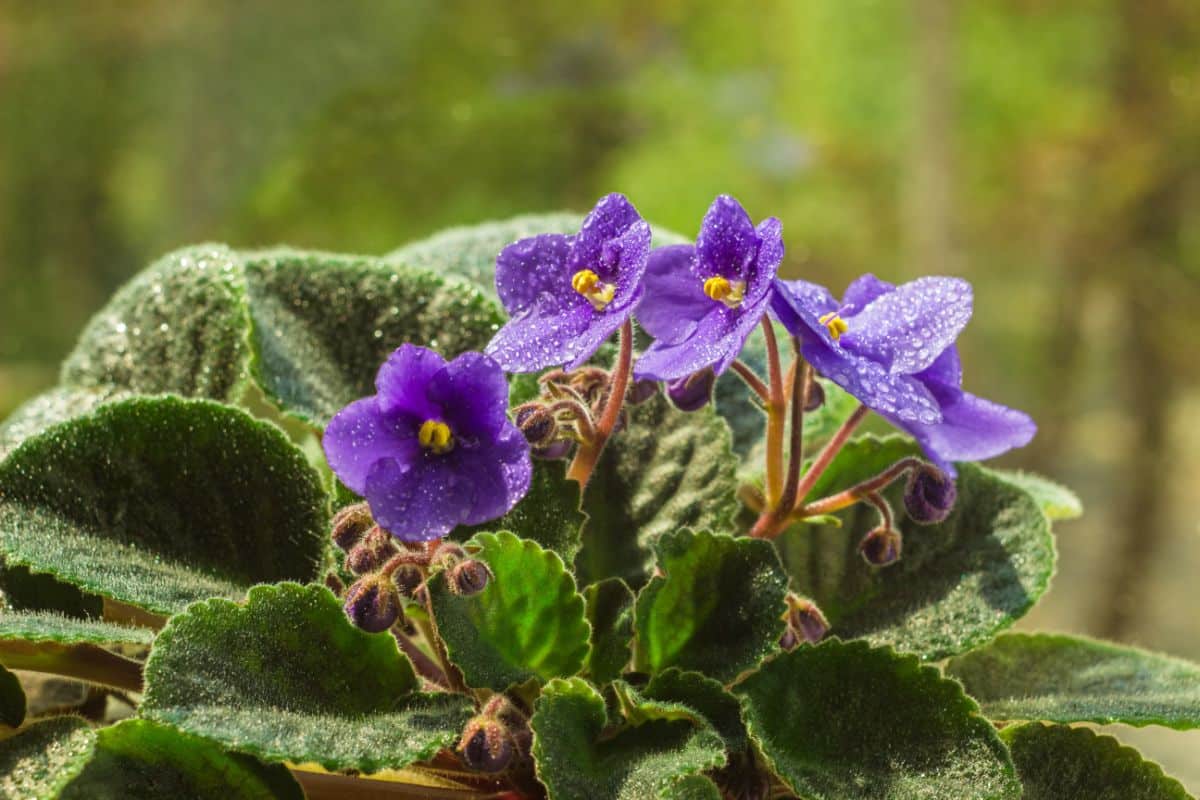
(667, 470)
(843, 721)
(324, 323)
(1021, 676)
(579, 756)
(286, 677)
(1056, 762)
(529, 622)
(179, 326)
(548, 514)
(1059, 502)
(12, 700)
(610, 614)
(717, 609)
(34, 626)
(41, 760)
(959, 583)
(158, 502)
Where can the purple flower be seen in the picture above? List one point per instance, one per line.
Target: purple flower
(567, 294)
(703, 301)
(893, 349)
(434, 447)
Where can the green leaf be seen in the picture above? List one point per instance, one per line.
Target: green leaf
(1021, 676)
(12, 700)
(287, 677)
(49, 408)
(72, 647)
(37, 591)
(718, 609)
(1059, 502)
(667, 470)
(959, 583)
(33, 626)
(160, 501)
(1056, 762)
(43, 758)
(179, 326)
(610, 614)
(692, 787)
(580, 757)
(549, 513)
(529, 622)
(706, 696)
(843, 720)
(323, 324)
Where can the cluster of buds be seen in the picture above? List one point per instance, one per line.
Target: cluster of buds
(805, 622)
(496, 737)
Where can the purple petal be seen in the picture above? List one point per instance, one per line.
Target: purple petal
(899, 396)
(528, 268)
(472, 393)
(403, 379)
(420, 499)
(907, 329)
(501, 474)
(544, 335)
(972, 429)
(727, 242)
(603, 325)
(609, 220)
(944, 376)
(629, 253)
(359, 435)
(799, 306)
(716, 342)
(863, 291)
(675, 299)
(770, 255)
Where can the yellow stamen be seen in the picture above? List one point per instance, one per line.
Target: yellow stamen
(724, 291)
(588, 284)
(435, 436)
(834, 324)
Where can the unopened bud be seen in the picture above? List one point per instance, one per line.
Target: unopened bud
(408, 579)
(881, 547)
(469, 577)
(693, 392)
(372, 552)
(538, 424)
(807, 620)
(641, 392)
(555, 450)
(929, 495)
(350, 524)
(372, 603)
(816, 395)
(789, 640)
(486, 745)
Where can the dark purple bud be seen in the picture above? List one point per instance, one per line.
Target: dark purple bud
(807, 620)
(789, 640)
(881, 547)
(555, 450)
(407, 578)
(446, 555)
(469, 577)
(486, 745)
(693, 392)
(816, 395)
(372, 603)
(929, 495)
(372, 552)
(538, 424)
(350, 524)
(334, 584)
(641, 391)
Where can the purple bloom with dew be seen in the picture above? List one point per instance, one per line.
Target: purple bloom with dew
(893, 349)
(567, 294)
(703, 301)
(434, 447)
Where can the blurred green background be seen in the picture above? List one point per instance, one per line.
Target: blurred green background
(1049, 152)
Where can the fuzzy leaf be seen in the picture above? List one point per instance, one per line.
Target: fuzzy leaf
(718, 609)
(42, 759)
(72, 647)
(37, 591)
(323, 323)
(528, 622)
(1021, 676)
(33, 626)
(1059, 502)
(12, 700)
(158, 502)
(706, 696)
(958, 584)
(286, 677)
(49, 408)
(179, 326)
(666, 471)
(1056, 762)
(843, 720)
(610, 614)
(549, 513)
(579, 757)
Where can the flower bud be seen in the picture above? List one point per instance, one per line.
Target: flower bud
(816, 395)
(555, 450)
(929, 495)
(881, 547)
(372, 603)
(641, 392)
(538, 424)
(693, 392)
(807, 620)
(350, 524)
(789, 640)
(408, 579)
(469, 577)
(372, 552)
(486, 745)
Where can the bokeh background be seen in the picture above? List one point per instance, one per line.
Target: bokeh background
(1048, 152)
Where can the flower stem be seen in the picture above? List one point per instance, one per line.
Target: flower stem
(752, 380)
(800, 384)
(776, 408)
(589, 452)
(860, 491)
(426, 667)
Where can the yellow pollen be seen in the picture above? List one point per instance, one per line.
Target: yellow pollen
(435, 436)
(588, 284)
(835, 324)
(722, 290)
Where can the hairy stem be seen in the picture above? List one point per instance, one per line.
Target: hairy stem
(589, 452)
(860, 491)
(425, 666)
(776, 408)
(752, 380)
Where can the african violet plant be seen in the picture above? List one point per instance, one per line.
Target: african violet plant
(416, 527)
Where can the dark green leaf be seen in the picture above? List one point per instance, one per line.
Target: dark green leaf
(1073, 679)
(32, 626)
(49, 408)
(610, 614)
(323, 324)
(529, 621)
(42, 759)
(667, 470)
(158, 502)
(287, 677)
(958, 584)
(718, 608)
(548, 514)
(843, 720)
(38, 591)
(706, 696)
(12, 700)
(1059, 502)
(1056, 762)
(579, 757)
(180, 326)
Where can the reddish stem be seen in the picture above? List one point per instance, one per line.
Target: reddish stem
(860, 491)
(589, 452)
